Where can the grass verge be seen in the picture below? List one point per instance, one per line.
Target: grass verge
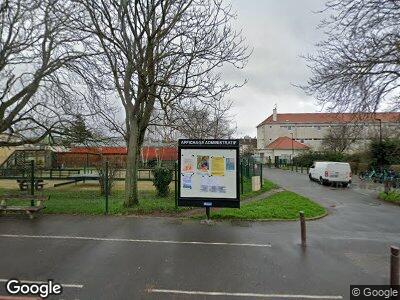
(280, 206)
(392, 196)
(81, 200)
(247, 192)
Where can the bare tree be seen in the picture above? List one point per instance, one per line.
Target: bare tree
(193, 120)
(341, 137)
(36, 49)
(159, 53)
(357, 67)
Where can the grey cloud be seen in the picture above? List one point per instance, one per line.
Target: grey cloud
(279, 32)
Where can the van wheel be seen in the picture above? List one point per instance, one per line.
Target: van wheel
(309, 176)
(345, 184)
(321, 181)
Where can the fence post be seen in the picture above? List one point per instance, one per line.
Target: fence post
(32, 181)
(261, 175)
(176, 185)
(241, 178)
(394, 266)
(106, 186)
(303, 229)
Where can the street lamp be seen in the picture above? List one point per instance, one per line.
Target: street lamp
(292, 146)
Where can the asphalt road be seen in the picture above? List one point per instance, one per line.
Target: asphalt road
(160, 258)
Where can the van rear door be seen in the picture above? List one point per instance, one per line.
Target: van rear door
(339, 172)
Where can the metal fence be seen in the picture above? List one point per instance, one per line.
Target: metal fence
(60, 174)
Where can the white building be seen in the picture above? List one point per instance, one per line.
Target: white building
(308, 130)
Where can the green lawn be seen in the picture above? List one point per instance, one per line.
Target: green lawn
(247, 192)
(85, 199)
(283, 205)
(392, 196)
(77, 200)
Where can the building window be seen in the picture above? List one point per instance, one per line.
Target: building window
(289, 127)
(301, 141)
(318, 127)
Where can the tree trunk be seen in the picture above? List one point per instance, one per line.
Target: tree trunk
(132, 164)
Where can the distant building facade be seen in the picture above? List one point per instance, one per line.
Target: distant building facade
(308, 130)
(247, 145)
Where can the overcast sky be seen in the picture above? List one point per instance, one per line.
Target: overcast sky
(279, 31)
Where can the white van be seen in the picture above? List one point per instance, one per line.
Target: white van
(326, 172)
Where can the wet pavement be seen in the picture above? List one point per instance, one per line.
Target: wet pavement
(160, 258)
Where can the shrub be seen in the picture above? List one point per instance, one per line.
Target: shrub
(392, 196)
(385, 153)
(152, 163)
(162, 179)
(307, 159)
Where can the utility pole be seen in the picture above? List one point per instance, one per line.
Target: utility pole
(292, 147)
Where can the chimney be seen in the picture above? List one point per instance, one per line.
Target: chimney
(275, 114)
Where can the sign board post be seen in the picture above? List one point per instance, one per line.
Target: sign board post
(208, 173)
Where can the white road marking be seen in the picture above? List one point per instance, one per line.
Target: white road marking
(67, 285)
(254, 295)
(65, 237)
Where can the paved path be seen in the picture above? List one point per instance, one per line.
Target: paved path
(351, 209)
(162, 258)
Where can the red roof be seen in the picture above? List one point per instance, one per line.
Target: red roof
(332, 118)
(164, 153)
(285, 143)
(147, 153)
(98, 150)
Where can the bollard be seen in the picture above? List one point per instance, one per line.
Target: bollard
(261, 175)
(394, 265)
(303, 229)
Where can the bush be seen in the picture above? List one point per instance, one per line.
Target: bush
(152, 163)
(392, 196)
(162, 180)
(307, 159)
(385, 153)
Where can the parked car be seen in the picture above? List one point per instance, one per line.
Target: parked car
(327, 172)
